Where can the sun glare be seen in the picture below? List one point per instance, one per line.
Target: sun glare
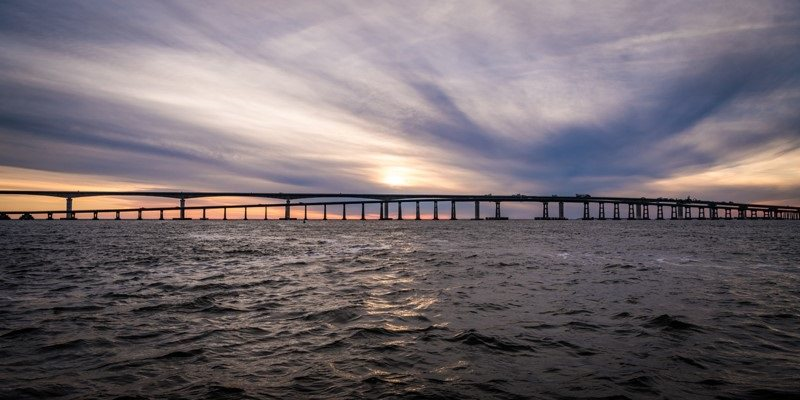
(395, 177)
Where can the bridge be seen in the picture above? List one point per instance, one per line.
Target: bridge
(636, 208)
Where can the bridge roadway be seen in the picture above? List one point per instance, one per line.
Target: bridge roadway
(637, 208)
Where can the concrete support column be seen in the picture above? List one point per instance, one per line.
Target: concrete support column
(435, 210)
(646, 211)
(399, 210)
(753, 214)
(363, 212)
(673, 212)
(50, 215)
(305, 212)
(160, 214)
(545, 210)
(616, 212)
(586, 214)
(659, 211)
(183, 208)
(561, 210)
(701, 213)
(380, 206)
(728, 213)
(324, 212)
(287, 214)
(497, 214)
(386, 209)
(477, 210)
(688, 214)
(224, 214)
(265, 212)
(631, 212)
(714, 212)
(94, 215)
(601, 211)
(117, 217)
(139, 216)
(344, 211)
(204, 215)
(417, 217)
(70, 215)
(245, 213)
(453, 210)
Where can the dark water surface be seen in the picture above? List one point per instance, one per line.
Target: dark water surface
(350, 309)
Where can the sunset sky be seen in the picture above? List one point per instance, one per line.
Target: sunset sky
(641, 98)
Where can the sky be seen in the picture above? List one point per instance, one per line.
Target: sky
(640, 98)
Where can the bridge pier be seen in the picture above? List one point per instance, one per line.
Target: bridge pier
(561, 210)
(265, 212)
(139, 215)
(4, 217)
(417, 217)
(245, 213)
(701, 213)
(545, 210)
(344, 211)
(49, 216)
(287, 212)
(631, 212)
(225, 214)
(477, 210)
(363, 213)
(713, 212)
(753, 214)
(497, 214)
(324, 212)
(161, 215)
(638, 211)
(586, 214)
(183, 208)
(399, 210)
(453, 210)
(204, 215)
(659, 211)
(94, 215)
(435, 210)
(117, 217)
(646, 212)
(673, 212)
(69, 213)
(616, 212)
(728, 213)
(305, 212)
(688, 214)
(601, 211)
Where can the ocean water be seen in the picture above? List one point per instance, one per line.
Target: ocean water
(400, 309)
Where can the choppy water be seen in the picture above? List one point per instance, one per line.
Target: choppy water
(350, 309)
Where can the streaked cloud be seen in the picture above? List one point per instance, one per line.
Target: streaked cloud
(502, 97)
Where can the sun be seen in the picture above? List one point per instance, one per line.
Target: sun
(395, 177)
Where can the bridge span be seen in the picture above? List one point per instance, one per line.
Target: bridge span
(635, 208)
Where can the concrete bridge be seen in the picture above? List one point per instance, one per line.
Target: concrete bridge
(632, 208)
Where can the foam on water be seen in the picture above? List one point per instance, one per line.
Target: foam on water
(428, 309)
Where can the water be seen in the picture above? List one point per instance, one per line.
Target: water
(429, 309)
